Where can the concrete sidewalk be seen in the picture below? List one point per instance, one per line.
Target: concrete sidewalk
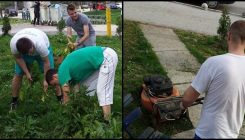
(101, 30)
(174, 15)
(180, 65)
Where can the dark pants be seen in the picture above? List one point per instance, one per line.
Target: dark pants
(196, 137)
(36, 17)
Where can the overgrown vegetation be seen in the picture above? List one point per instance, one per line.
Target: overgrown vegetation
(139, 61)
(224, 25)
(61, 25)
(115, 14)
(14, 21)
(6, 26)
(201, 46)
(204, 46)
(39, 114)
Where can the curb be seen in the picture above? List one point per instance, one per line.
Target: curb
(209, 9)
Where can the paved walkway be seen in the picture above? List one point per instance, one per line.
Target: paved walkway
(180, 65)
(101, 30)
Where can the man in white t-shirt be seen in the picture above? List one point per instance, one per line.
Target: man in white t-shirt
(222, 79)
(27, 45)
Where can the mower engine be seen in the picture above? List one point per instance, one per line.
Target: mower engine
(162, 99)
(158, 86)
(158, 96)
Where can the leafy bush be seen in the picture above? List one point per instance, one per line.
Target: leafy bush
(40, 115)
(61, 25)
(6, 25)
(224, 25)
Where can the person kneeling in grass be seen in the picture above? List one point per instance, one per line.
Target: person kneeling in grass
(93, 67)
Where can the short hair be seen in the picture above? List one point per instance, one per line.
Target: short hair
(237, 31)
(49, 75)
(23, 45)
(71, 7)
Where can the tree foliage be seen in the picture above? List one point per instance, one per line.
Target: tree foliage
(6, 25)
(224, 24)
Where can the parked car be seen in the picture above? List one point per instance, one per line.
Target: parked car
(101, 6)
(215, 4)
(119, 5)
(11, 11)
(113, 6)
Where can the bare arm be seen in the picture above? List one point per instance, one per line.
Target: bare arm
(189, 97)
(66, 90)
(58, 90)
(46, 68)
(86, 34)
(46, 64)
(20, 61)
(69, 32)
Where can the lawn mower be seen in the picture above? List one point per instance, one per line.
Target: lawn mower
(161, 98)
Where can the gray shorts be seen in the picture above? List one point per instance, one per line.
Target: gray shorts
(91, 41)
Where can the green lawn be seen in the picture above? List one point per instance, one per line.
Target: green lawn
(201, 46)
(39, 115)
(115, 14)
(139, 61)
(14, 21)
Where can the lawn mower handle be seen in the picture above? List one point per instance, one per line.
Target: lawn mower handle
(198, 101)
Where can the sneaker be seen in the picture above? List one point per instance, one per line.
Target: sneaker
(13, 106)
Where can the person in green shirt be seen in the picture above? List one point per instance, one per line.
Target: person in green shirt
(93, 67)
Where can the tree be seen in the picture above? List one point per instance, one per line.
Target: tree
(6, 25)
(61, 25)
(224, 24)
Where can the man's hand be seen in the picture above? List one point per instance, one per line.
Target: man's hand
(45, 85)
(28, 76)
(65, 98)
(69, 37)
(181, 106)
(65, 90)
(75, 44)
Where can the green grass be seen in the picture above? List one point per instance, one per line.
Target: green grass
(201, 46)
(139, 61)
(15, 21)
(115, 14)
(39, 115)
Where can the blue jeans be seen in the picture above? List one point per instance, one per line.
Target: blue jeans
(196, 137)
